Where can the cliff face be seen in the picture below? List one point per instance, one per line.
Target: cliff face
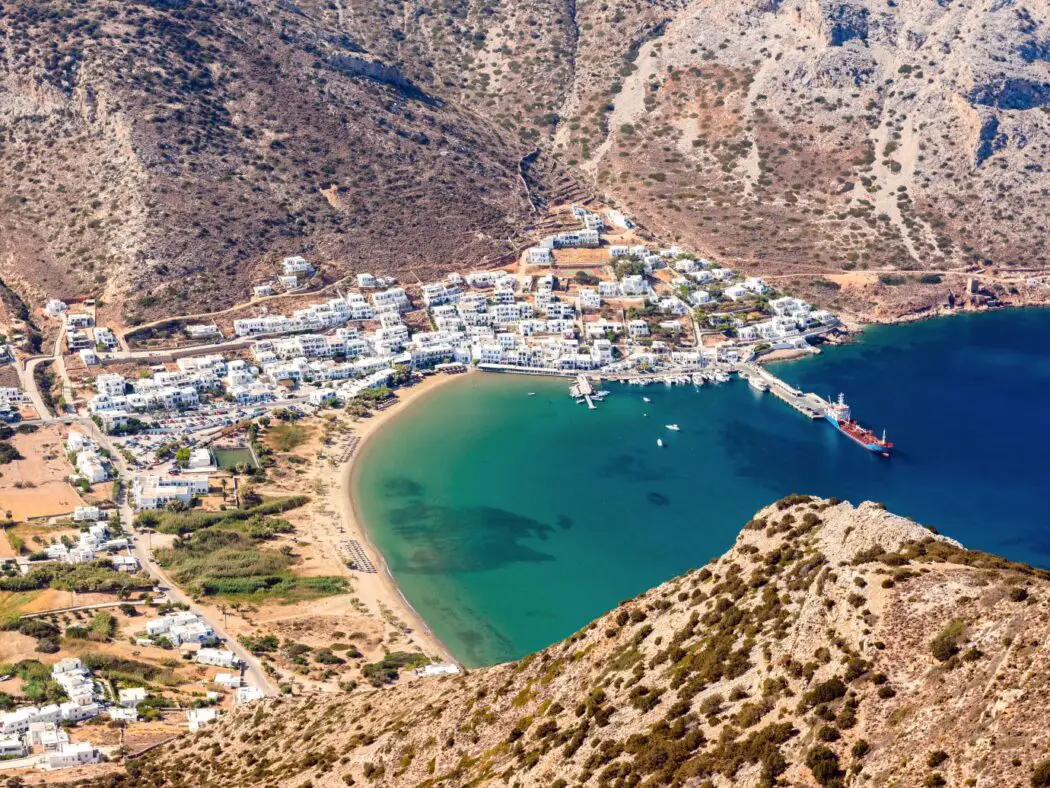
(831, 645)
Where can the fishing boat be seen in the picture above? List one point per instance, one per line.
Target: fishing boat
(646, 399)
(673, 427)
(532, 393)
(660, 442)
(758, 384)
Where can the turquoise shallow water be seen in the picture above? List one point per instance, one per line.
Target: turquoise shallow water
(510, 521)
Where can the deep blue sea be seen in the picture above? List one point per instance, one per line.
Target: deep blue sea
(510, 521)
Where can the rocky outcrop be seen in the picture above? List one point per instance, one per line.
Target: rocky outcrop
(831, 645)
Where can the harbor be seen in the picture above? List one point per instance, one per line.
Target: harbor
(812, 406)
(808, 404)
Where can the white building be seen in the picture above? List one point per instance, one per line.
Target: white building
(219, 658)
(12, 748)
(637, 328)
(247, 694)
(538, 255)
(153, 491)
(755, 285)
(196, 718)
(70, 755)
(736, 292)
(589, 299)
(85, 513)
(227, 680)
(584, 237)
(295, 265)
(132, 697)
(200, 459)
(202, 331)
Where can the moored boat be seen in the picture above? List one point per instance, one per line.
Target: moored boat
(839, 416)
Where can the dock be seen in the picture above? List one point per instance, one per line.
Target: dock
(583, 388)
(808, 404)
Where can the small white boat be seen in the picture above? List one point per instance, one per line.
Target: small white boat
(758, 384)
(673, 427)
(532, 393)
(660, 442)
(646, 399)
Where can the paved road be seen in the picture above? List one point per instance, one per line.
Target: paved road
(253, 669)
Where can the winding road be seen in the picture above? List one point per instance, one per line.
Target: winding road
(253, 670)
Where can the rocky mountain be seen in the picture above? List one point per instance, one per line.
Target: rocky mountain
(168, 152)
(797, 139)
(832, 645)
(867, 154)
(824, 137)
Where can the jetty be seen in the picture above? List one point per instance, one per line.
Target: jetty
(808, 404)
(583, 388)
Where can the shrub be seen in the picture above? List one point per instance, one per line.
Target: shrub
(860, 748)
(1041, 775)
(1018, 594)
(827, 733)
(387, 670)
(945, 645)
(825, 692)
(824, 764)
(936, 758)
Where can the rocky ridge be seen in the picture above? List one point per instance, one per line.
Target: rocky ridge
(832, 645)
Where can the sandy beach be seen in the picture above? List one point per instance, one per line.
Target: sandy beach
(381, 588)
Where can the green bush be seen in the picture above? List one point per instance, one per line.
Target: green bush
(1041, 775)
(824, 764)
(387, 670)
(825, 692)
(945, 645)
(94, 577)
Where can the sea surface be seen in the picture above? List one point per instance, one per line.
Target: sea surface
(510, 521)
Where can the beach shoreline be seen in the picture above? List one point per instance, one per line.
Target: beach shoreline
(388, 591)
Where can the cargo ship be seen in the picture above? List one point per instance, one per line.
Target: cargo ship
(838, 414)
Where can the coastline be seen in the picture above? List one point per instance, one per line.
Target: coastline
(385, 589)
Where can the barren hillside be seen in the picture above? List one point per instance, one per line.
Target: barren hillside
(822, 137)
(796, 139)
(171, 152)
(868, 155)
(831, 645)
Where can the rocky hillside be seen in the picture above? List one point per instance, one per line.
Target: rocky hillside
(168, 152)
(802, 140)
(867, 154)
(826, 136)
(831, 645)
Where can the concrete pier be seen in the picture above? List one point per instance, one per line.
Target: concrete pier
(808, 404)
(585, 390)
